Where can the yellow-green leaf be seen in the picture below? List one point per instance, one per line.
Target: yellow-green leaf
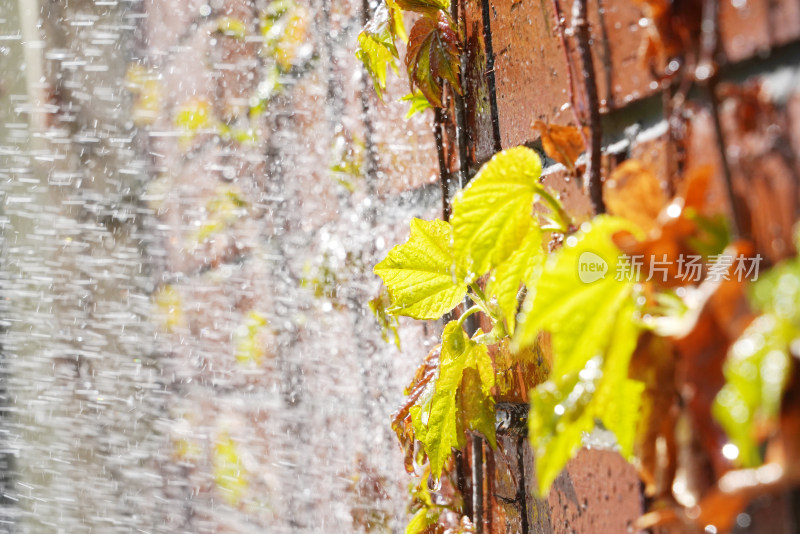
(591, 319)
(577, 297)
(420, 274)
(461, 399)
(519, 268)
(493, 214)
(557, 421)
(376, 48)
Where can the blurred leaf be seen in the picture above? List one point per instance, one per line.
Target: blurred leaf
(418, 103)
(248, 339)
(284, 27)
(562, 143)
(759, 363)
(232, 27)
(387, 322)
(420, 274)
(147, 92)
(169, 306)
(756, 373)
(493, 214)
(228, 470)
(433, 54)
(221, 211)
(634, 193)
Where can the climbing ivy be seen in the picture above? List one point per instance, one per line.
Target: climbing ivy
(590, 312)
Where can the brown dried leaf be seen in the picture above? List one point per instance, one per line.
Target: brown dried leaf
(562, 143)
(633, 192)
(401, 419)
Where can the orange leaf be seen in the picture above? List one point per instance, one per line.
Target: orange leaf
(562, 143)
(633, 192)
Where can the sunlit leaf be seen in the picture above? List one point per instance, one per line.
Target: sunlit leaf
(558, 419)
(461, 400)
(397, 23)
(578, 296)
(568, 405)
(433, 55)
(376, 48)
(493, 214)
(420, 274)
(424, 518)
(517, 269)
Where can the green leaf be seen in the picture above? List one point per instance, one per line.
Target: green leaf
(418, 103)
(461, 400)
(433, 55)
(756, 374)
(424, 518)
(397, 25)
(556, 424)
(778, 291)
(517, 269)
(420, 274)
(593, 330)
(618, 398)
(493, 214)
(579, 315)
(376, 47)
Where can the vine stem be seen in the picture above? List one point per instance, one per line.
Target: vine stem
(472, 310)
(564, 218)
(594, 185)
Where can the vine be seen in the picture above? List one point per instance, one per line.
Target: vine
(493, 253)
(622, 341)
